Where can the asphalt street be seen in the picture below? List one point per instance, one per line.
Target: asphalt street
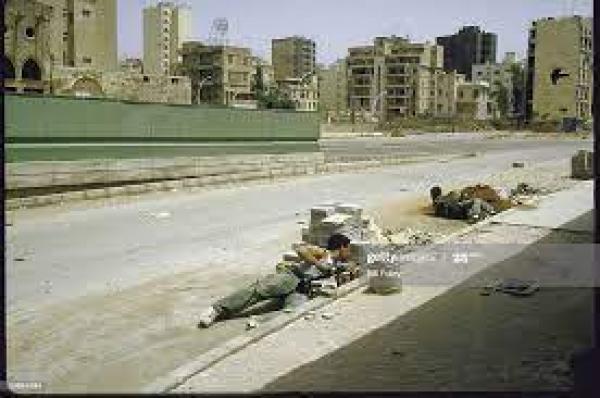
(95, 289)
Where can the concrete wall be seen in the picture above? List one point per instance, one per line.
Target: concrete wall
(52, 119)
(111, 171)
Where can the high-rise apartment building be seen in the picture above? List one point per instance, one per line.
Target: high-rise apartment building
(396, 78)
(333, 87)
(220, 75)
(468, 47)
(559, 69)
(293, 58)
(166, 27)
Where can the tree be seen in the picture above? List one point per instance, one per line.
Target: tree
(274, 98)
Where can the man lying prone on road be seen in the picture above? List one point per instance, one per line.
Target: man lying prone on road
(315, 263)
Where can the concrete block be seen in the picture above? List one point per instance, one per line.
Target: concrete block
(337, 219)
(74, 196)
(196, 182)
(350, 209)
(319, 213)
(96, 193)
(177, 184)
(157, 186)
(116, 191)
(136, 189)
(582, 166)
(45, 200)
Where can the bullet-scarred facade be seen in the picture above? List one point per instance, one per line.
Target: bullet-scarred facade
(559, 69)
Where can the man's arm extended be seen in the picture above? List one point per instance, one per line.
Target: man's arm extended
(313, 256)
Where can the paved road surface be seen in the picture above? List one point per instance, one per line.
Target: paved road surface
(91, 288)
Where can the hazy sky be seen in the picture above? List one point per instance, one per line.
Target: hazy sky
(338, 24)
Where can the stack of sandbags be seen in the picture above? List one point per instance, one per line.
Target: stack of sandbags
(581, 165)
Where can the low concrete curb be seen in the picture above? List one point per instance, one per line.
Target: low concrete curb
(180, 375)
(272, 174)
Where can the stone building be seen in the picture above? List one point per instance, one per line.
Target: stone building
(30, 54)
(304, 93)
(474, 101)
(166, 27)
(333, 88)
(124, 85)
(395, 78)
(132, 65)
(43, 36)
(266, 71)
(91, 34)
(500, 78)
(468, 47)
(221, 75)
(293, 57)
(559, 69)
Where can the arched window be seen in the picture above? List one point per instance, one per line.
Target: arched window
(87, 87)
(31, 70)
(8, 69)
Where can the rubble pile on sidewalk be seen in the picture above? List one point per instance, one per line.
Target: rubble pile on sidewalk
(410, 237)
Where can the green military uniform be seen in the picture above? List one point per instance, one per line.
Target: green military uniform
(279, 285)
(454, 206)
(288, 279)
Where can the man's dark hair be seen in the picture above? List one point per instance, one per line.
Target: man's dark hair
(337, 241)
(435, 193)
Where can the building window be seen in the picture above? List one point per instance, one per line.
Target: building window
(86, 13)
(175, 81)
(29, 32)
(230, 59)
(87, 60)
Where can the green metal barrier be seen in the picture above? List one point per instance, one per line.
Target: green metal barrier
(41, 119)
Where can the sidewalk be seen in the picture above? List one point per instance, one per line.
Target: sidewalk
(305, 341)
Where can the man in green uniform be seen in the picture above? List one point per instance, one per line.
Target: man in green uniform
(456, 206)
(317, 263)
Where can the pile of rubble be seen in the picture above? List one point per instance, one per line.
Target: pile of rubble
(410, 237)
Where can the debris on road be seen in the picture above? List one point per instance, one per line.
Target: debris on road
(327, 316)
(251, 324)
(513, 287)
(410, 237)
(309, 316)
